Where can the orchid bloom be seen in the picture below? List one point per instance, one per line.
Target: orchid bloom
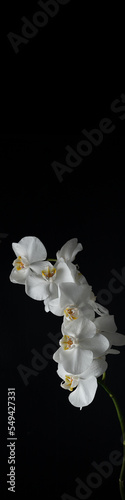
(28, 251)
(44, 283)
(79, 345)
(69, 250)
(67, 254)
(71, 300)
(82, 387)
(73, 297)
(107, 325)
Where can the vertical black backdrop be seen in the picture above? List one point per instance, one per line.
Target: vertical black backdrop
(64, 80)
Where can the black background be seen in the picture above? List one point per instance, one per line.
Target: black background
(65, 79)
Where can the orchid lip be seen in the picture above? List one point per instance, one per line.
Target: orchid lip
(67, 342)
(49, 273)
(70, 382)
(71, 312)
(20, 263)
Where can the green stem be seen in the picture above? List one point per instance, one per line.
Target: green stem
(54, 260)
(122, 424)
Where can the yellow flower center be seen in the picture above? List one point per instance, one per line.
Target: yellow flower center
(71, 312)
(18, 263)
(68, 382)
(48, 273)
(66, 342)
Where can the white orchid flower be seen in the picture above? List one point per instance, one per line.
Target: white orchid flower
(44, 283)
(67, 254)
(73, 294)
(107, 325)
(79, 345)
(69, 250)
(82, 387)
(28, 251)
(71, 301)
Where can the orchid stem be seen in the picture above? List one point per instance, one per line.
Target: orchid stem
(122, 424)
(54, 260)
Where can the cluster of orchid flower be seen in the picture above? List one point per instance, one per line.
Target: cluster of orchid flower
(88, 330)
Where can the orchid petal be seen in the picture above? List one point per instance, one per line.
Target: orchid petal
(64, 273)
(30, 247)
(72, 293)
(115, 338)
(57, 355)
(19, 276)
(112, 351)
(85, 392)
(61, 371)
(96, 369)
(54, 306)
(74, 360)
(81, 328)
(69, 249)
(98, 344)
(106, 323)
(36, 287)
